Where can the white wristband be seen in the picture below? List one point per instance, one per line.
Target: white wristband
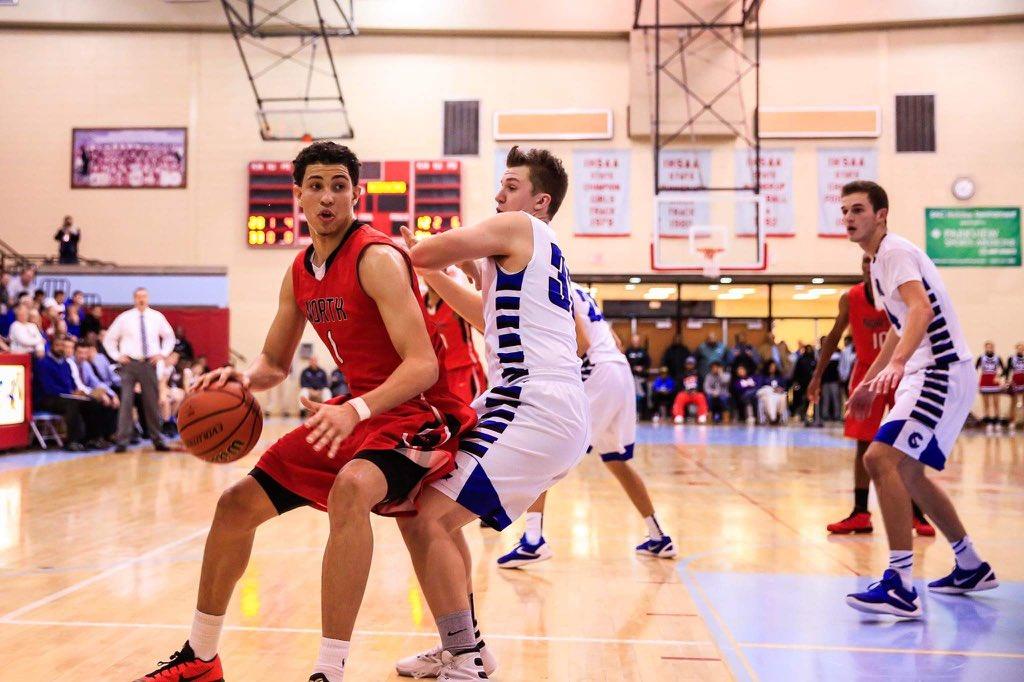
(359, 405)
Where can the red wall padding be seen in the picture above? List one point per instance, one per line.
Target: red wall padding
(205, 328)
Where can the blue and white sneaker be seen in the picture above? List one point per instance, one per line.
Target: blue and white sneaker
(524, 553)
(887, 596)
(663, 548)
(962, 581)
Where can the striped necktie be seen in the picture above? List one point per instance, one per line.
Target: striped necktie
(142, 331)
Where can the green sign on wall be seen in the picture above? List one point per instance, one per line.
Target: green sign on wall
(973, 237)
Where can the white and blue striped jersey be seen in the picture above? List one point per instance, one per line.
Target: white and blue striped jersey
(899, 261)
(602, 344)
(529, 329)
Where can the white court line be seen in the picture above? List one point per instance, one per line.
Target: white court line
(71, 589)
(882, 650)
(363, 633)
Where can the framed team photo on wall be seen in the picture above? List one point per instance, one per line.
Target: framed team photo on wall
(129, 158)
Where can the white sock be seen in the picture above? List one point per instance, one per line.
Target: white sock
(331, 661)
(653, 529)
(205, 634)
(966, 557)
(903, 563)
(534, 526)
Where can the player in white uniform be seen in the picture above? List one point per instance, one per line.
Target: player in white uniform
(534, 422)
(608, 382)
(927, 360)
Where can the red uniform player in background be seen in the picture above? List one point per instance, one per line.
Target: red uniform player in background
(466, 376)
(869, 326)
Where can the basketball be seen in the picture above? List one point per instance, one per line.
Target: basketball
(220, 424)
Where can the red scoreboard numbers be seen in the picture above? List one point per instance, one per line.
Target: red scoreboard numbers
(423, 194)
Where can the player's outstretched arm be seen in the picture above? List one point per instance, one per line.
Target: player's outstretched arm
(863, 394)
(829, 347)
(502, 235)
(466, 302)
(386, 279)
(271, 366)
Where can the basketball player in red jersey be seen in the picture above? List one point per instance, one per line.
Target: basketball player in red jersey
(869, 326)
(465, 373)
(369, 451)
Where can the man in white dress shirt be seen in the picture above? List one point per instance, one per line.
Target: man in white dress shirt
(26, 336)
(139, 339)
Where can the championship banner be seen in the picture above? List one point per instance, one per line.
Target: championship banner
(776, 192)
(973, 237)
(683, 169)
(601, 192)
(836, 167)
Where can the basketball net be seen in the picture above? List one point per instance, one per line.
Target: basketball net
(711, 263)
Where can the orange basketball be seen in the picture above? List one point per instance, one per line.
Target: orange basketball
(220, 424)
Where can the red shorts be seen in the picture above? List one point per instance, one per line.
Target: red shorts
(414, 431)
(866, 429)
(466, 382)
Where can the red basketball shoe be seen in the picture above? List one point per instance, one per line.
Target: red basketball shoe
(856, 522)
(923, 528)
(185, 666)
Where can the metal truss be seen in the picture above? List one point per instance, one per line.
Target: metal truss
(306, 103)
(729, 25)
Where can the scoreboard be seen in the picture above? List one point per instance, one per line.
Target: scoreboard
(437, 201)
(423, 194)
(385, 200)
(273, 212)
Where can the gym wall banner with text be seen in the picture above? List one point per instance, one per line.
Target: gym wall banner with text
(684, 169)
(600, 180)
(776, 192)
(836, 167)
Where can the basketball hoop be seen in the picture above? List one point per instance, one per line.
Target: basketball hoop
(711, 264)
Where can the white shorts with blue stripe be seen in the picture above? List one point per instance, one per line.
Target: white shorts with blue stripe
(528, 436)
(931, 407)
(612, 395)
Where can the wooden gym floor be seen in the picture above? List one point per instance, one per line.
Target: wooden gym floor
(100, 556)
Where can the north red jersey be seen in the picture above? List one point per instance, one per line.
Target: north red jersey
(349, 323)
(868, 326)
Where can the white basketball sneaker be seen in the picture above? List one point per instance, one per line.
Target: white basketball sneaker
(428, 663)
(468, 667)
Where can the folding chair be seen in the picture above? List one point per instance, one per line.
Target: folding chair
(44, 427)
